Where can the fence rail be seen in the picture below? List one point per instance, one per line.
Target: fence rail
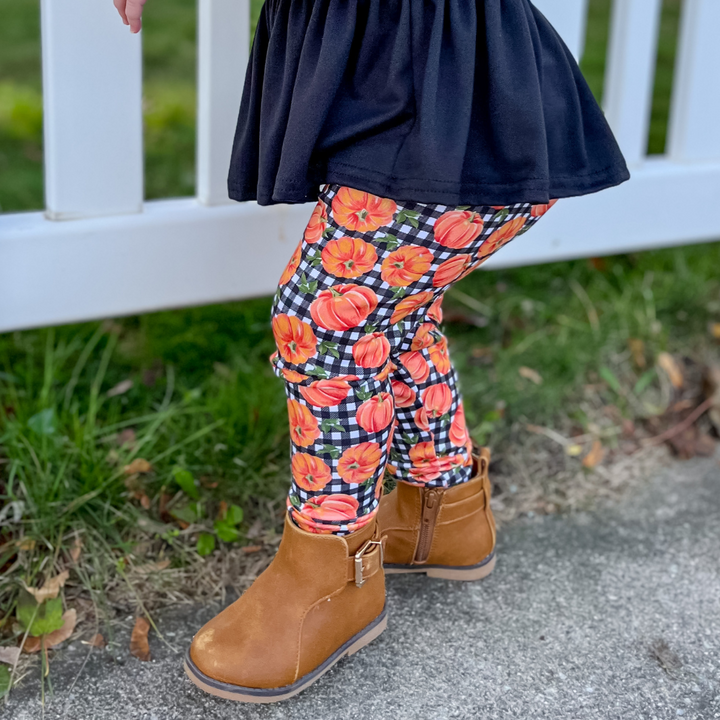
(98, 250)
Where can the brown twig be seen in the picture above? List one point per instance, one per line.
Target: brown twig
(681, 426)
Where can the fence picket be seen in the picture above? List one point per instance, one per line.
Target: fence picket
(695, 118)
(223, 47)
(631, 72)
(92, 95)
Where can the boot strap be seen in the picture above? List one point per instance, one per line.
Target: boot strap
(367, 561)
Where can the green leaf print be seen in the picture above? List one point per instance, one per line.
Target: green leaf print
(307, 287)
(370, 329)
(331, 424)
(364, 394)
(316, 260)
(463, 207)
(395, 456)
(445, 419)
(392, 242)
(399, 292)
(501, 215)
(318, 373)
(410, 439)
(295, 501)
(409, 217)
(328, 348)
(330, 450)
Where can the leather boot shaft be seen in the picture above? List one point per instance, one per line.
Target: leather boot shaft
(440, 527)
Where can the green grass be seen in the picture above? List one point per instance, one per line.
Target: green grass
(203, 406)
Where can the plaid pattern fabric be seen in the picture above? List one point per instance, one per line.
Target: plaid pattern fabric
(356, 319)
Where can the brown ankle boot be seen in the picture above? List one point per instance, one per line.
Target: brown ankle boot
(445, 532)
(321, 598)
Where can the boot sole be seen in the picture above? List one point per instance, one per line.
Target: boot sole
(447, 572)
(270, 695)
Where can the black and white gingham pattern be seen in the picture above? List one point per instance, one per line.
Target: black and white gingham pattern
(412, 225)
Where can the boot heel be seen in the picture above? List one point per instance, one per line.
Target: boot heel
(366, 639)
(472, 573)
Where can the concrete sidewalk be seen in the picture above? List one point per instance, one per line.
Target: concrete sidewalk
(576, 623)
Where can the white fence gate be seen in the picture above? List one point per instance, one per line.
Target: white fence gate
(99, 250)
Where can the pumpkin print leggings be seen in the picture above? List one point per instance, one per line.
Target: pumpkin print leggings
(356, 320)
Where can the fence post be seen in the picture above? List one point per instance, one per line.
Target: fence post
(92, 98)
(223, 49)
(631, 73)
(694, 133)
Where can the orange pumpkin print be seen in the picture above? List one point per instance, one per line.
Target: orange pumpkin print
(416, 365)
(384, 374)
(501, 236)
(437, 399)
(376, 413)
(409, 305)
(342, 307)
(348, 257)
(459, 435)
(361, 211)
(325, 393)
(539, 210)
(359, 463)
(440, 357)
(435, 312)
(406, 265)
(451, 270)
(337, 508)
(458, 228)
(292, 266)
(293, 376)
(304, 429)
(310, 472)
(427, 464)
(421, 419)
(404, 394)
(295, 340)
(371, 351)
(423, 337)
(317, 224)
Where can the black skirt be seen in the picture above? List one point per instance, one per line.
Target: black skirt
(438, 101)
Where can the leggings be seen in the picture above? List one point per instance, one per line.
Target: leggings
(356, 320)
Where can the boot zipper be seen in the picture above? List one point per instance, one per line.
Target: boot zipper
(431, 499)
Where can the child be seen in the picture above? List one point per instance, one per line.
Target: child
(429, 133)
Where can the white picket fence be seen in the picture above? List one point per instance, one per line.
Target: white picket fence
(99, 250)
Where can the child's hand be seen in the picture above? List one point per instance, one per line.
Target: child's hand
(130, 12)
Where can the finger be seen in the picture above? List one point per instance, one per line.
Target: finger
(133, 10)
(120, 7)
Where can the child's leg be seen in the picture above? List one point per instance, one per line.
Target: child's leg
(359, 297)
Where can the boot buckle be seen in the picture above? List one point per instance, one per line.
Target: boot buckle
(359, 579)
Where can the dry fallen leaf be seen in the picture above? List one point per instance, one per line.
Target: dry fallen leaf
(144, 501)
(667, 362)
(76, 549)
(222, 510)
(139, 646)
(33, 644)
(711, 382)
(51, 587)
(637, 350)
(96, 640)
(251, 549)
(595, 456)
(9, 655)
(137, 466)
(126, 437)
(715, 330)
(530, 374)
(26, 544)
(120, 389)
